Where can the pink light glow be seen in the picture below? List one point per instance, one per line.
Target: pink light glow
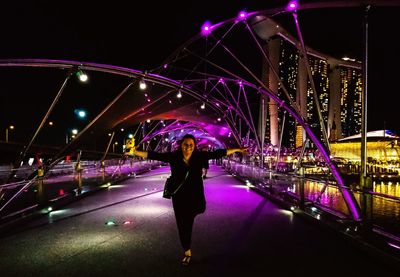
(242, 15)
(206, 28)
(394, 245)
(292, 6)
(223, 131)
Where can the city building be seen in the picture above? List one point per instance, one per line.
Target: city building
(337, 83)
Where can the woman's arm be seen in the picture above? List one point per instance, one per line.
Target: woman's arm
(151, 155)
(219, 153)
(139, 153)
(234, 150)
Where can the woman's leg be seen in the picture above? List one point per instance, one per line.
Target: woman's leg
(184, 221)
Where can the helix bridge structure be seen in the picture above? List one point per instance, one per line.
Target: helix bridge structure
(225, 87)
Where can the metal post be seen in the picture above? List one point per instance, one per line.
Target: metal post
(261, 129)
(365, 183)
(103, 170)
(40, 186)
(302, 196)
(78, 170)
(299, 166)
(280, 142)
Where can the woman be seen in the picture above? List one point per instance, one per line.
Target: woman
(186, 167)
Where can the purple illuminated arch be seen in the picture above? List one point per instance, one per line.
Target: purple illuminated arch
(172, 83)
(348, 196)
(165, 82)
(289, 107)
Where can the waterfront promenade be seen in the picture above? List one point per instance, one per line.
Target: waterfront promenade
(241, 234)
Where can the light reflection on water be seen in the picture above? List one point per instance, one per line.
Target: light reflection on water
(388, 188)
(382, 211)
(330, 197)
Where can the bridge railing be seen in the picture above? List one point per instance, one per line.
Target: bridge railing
(321, 199)
(63, 183)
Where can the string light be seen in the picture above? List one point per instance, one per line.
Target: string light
(292, 6)
(142, 85)
(83, 77)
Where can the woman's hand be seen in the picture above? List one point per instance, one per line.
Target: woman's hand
(244, 150)
(130, 151)
(138, 153)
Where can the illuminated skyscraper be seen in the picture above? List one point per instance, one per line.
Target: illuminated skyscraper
(338, 85)
(288, 64)
(350, 101)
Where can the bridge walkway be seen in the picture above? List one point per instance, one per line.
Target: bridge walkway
(241, 234)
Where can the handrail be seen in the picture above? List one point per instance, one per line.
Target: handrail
(24, 186)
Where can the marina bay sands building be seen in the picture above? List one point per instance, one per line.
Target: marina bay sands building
(338, 85)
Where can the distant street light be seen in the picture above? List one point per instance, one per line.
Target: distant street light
(73, 132)
(80, 113)
(11, 127)
(83, 77)
(114, 144)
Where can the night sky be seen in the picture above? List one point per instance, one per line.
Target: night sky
(140, 35)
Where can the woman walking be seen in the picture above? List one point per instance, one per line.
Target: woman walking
(186, 168)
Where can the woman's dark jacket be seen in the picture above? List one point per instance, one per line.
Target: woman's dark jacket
(190, 197)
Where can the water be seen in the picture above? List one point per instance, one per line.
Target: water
(381, 211)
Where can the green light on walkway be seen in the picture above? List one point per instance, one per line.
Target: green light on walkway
(111, 223)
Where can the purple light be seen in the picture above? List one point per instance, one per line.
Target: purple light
(292, 6)
(224, 131)
(242, 15)
(394, 245)
(206, 28)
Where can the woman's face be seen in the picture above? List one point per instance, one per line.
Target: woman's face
(187, 146)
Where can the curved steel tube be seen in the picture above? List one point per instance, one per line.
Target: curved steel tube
(348, 196)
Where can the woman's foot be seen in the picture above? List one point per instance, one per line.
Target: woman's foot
(186, 258)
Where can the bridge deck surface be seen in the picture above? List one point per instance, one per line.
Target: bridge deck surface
(240, 234)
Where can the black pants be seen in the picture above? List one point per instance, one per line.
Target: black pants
(184, 221)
